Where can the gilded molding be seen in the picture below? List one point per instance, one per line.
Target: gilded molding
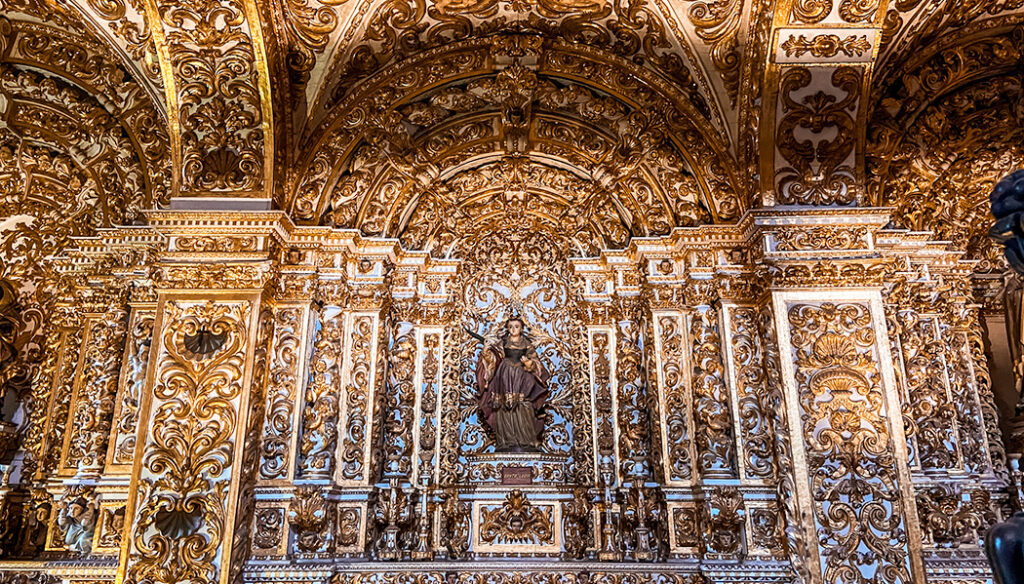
(826, 45)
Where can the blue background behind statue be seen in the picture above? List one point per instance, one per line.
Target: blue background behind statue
(1004, 542)
(1007, 200)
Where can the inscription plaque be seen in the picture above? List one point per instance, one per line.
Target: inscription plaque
(516, 475)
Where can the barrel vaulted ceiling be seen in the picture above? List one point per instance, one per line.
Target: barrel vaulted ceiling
(621, 118)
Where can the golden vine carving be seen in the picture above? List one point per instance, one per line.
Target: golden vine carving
(849, 444)
(179, 529)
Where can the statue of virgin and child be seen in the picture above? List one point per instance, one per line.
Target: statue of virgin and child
(512, 388)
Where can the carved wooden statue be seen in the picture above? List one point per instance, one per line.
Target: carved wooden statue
(512, 385)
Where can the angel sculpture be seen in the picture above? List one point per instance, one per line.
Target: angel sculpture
(512, 388)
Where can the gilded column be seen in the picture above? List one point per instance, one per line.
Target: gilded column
(190, 506)
(430, 365)
(744, 347)
(62, 379)
(92, 405)
(846, 481)
(674, 401)
(400, 390)
(955, 449)
(631, 400)
(321, 404)
(132, 383)
(714, 434)
(292, 319)
(363, 374)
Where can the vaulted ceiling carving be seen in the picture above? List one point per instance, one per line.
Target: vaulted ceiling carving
(82, 143)
(375, 114)
(947, 128)
(690, 44)
(405, 137)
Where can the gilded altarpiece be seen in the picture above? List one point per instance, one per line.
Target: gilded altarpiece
(188, 504)
(311, 412)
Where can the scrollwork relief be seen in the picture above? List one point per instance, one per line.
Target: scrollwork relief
(133, 379)
(950, 518)
(94, 403)
(282, 392)
(848, 441)
(269, 531)
(322, 402)
(517, 521)
(181, 522)
(754, 406)
(819, 170)
(359, 396)
(714, 430)
(678, 460)
(213, 55)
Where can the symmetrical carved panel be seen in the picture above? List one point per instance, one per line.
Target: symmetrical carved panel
(846, 429)
(820, 172)
(191, 454)
(212, 53)
(517, 524)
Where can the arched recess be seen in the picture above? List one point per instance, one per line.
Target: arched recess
(520, 270)
(83, 144)
(943, 130)
(583, 136)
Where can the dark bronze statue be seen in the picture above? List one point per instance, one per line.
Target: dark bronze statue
(1004, 545)
(1007, 200)
(9, 326)
(1004, 542)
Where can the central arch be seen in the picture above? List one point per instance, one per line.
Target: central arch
(455, 135)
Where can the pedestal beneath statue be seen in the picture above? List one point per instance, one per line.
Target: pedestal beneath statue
(518, 469)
